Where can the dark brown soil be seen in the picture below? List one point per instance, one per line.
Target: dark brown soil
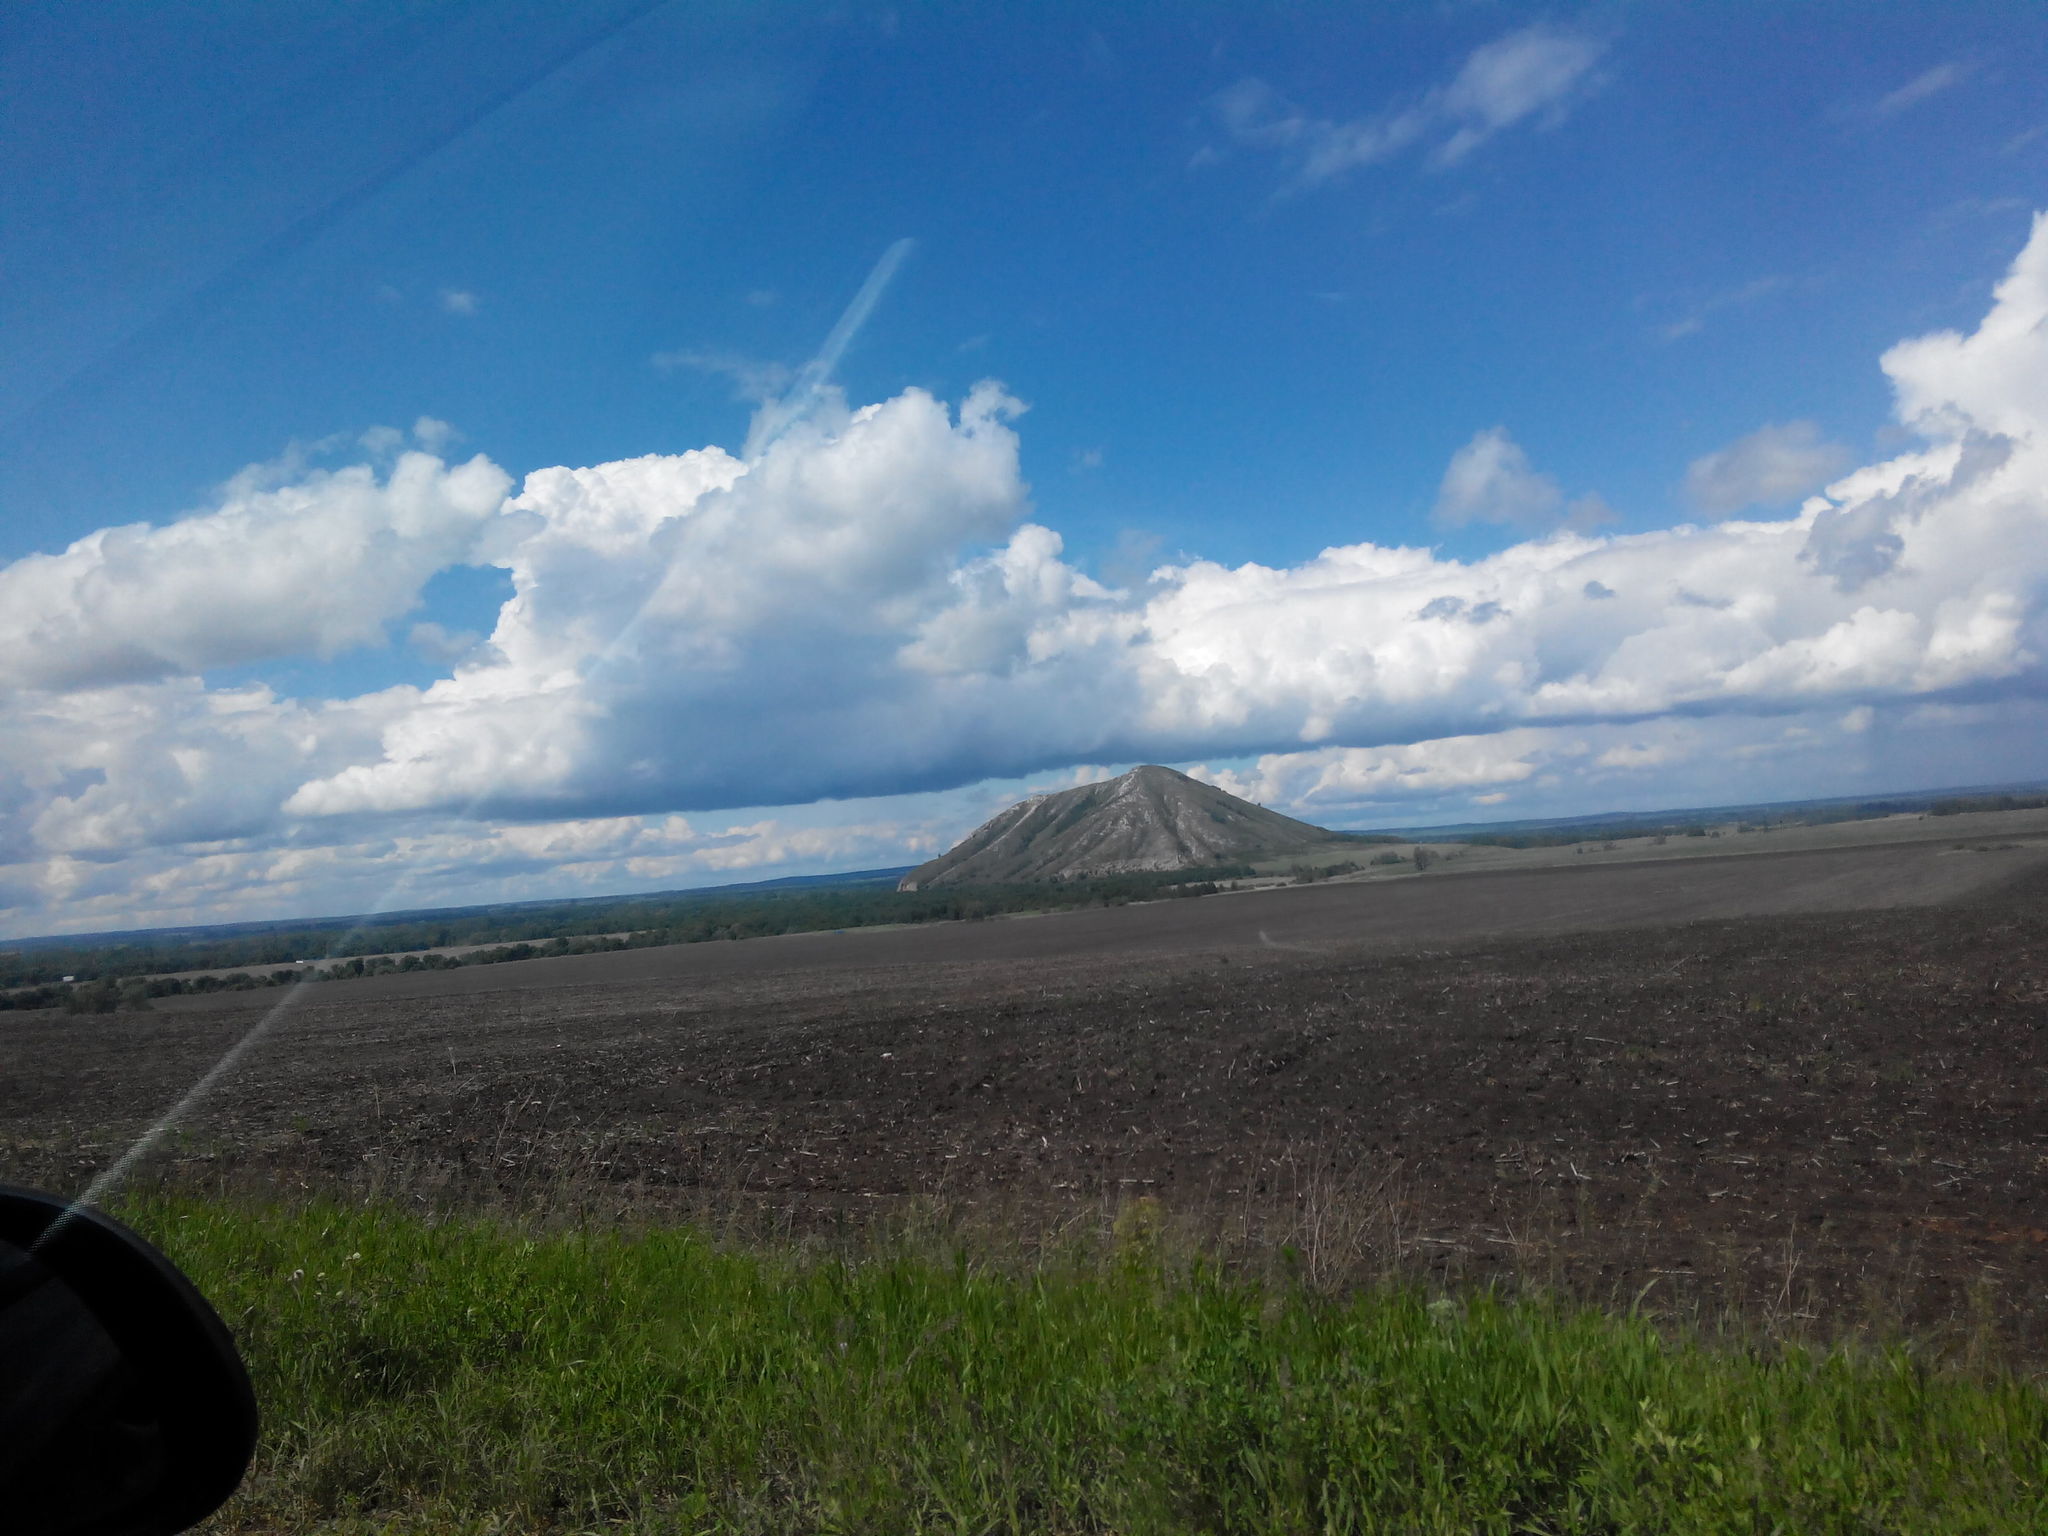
(1823, 1117)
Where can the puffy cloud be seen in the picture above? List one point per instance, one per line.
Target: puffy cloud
(865, 608)
(732, 625)
(1490, 480)
(1771, 466)
(317, 566)
(1535, 74)
(1857, 540)
(1947, 384)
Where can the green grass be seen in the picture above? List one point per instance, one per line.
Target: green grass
(471, 1375)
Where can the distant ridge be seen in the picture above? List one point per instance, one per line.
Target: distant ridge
(369, 922)
(1151, 818)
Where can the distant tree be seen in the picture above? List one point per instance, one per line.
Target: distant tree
(1423, 858)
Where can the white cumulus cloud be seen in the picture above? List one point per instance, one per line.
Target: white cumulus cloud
(316, 567)
(736, 626)
(1490, 480)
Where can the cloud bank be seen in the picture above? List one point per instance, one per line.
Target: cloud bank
(866, 607)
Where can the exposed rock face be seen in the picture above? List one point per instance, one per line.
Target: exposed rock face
(1151, 818)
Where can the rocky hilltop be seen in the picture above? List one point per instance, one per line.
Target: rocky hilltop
(1150, 818)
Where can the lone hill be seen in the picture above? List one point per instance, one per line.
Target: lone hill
(1152, 818)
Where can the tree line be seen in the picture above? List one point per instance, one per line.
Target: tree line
(1749, 819)
(129, 974)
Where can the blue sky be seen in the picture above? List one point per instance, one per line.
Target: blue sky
(1526, 293)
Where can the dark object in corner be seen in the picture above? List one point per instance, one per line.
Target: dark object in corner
(124, 1407)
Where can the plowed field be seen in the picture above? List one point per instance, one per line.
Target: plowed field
(1808, 1084)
